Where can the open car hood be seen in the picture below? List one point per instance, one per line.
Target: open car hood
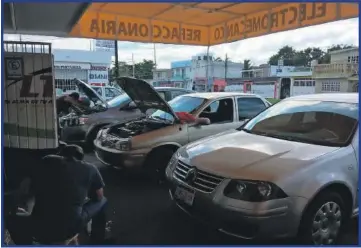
(144, 95)
(89, 91)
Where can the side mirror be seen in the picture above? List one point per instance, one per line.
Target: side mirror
(245, 122)
(130, 106)
(201, 121)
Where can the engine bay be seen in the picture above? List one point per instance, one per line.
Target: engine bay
(76, 112)
(136, 127)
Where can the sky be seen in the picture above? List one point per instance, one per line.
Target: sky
(258, 50)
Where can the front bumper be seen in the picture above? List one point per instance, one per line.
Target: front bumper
(267, 220)
(125, 160)
(74, 134)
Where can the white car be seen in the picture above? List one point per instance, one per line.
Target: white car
(290, 171)
(107, 92)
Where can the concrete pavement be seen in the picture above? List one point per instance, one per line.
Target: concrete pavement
(142, 214)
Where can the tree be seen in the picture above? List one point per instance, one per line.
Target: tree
(326, 59)
(123, 71)
(286, 53)
(291, 57)
(304, 57)
(142, 70)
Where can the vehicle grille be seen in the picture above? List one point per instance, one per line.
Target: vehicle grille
(68, 122)
(203, 181)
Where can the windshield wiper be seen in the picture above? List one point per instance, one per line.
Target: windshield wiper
(244, 129)
(253, 132)
(270, 134)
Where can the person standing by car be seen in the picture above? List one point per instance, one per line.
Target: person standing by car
(68, 194)
(63, 103)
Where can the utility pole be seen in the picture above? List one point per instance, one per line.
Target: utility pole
(155, 56)
(133, 66)
(207, 71)
(116, 59)
(225, 67)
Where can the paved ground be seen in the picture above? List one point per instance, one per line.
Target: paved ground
(142, 214)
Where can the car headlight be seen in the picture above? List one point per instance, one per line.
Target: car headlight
(122, 146)
(100, 132)
(103, 133)
(83, 120)
(253, 191)
(173, 161)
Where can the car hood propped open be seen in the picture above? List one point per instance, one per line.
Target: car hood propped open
(89, 91)
(144, 95)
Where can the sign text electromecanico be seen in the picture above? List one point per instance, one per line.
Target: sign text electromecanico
(112, 26)
(286, 17)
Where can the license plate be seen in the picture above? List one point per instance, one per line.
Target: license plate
(184, 195)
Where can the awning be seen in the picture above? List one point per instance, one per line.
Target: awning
(202, 23)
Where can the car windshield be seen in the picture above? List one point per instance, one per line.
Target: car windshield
(119, 100)
(313, 122)
(180, 104)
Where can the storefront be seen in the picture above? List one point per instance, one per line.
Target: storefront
(265, 87)
(88, 66)
(98, 74)
(66, 72)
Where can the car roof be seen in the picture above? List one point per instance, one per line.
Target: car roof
(329, 97)
(173, 88)
(214, 95)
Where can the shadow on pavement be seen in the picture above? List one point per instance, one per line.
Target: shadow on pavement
(142, 214)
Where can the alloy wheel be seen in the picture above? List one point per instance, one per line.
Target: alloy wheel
(326, 224)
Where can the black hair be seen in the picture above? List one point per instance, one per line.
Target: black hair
(75, 95)
(72, 152)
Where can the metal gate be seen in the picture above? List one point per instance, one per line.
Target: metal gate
(64, 80)
(29, 113)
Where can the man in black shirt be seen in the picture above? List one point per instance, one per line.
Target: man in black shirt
(68, 194)
(63, 103)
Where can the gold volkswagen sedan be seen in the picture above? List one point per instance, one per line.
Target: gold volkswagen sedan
(150, 141)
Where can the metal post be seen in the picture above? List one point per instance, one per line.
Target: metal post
(133, 65)
(155, 56)
(225, 68)
(116, 59)
(207, 70)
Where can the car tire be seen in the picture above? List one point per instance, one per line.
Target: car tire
(157, 163)
(89, 144)
(323, 220)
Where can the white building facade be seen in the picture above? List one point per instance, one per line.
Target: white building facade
(274, 81)
(162, 77)
(182, 74)
(89, 66)
(341, 75)
(217, 70)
